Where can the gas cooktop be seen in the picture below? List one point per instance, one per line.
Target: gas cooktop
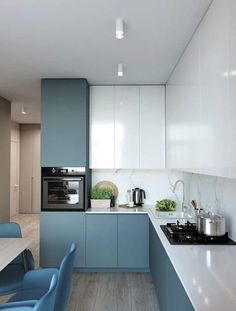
(187, 234)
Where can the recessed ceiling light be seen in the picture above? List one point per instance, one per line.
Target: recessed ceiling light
(119, 28)
(23, 110)
(120, 71)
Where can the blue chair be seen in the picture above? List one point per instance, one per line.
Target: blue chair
(11, 277)
(36, 282)
(46, 302)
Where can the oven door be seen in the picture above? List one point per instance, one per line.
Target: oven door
(63, 193)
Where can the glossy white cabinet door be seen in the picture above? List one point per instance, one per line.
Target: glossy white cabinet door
(152, 127)
(126, 127)
(232, 89)
(201, 98)
(102, 127)
(214, 81)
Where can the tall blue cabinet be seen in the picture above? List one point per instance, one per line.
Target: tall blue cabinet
(64, 142)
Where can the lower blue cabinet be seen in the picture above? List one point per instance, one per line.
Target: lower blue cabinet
(57, 231)
(170, 291)
(133, 241)
(101, 241)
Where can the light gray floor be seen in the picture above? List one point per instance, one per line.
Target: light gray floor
(113, 292)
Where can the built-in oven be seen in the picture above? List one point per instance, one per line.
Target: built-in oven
(63, 188)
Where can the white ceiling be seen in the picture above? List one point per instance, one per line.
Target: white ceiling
(75, 38)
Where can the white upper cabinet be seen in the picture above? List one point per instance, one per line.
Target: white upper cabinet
(102, 127)
(232, 91)
(201, 95)
(126, 127)
(152, 127)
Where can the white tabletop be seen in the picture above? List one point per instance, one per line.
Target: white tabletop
(10, 248)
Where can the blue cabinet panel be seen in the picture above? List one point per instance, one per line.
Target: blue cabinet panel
(64, 122)
(57, 231)
(170, 291)
(180, 297)
(101, 241)
(133, 241)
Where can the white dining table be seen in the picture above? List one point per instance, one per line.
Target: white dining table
(10, 248)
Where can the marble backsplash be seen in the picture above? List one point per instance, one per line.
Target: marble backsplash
(215, 194)
(154, 182)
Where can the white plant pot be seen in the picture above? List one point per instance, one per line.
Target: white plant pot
(100, 203)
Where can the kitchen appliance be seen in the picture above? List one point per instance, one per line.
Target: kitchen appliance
(138, 196)
(213, 225)
(187, 234)
(63, 189)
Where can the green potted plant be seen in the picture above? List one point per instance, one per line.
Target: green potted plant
(101, 197)
(166, 205)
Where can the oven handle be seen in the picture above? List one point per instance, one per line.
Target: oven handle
(63, 178)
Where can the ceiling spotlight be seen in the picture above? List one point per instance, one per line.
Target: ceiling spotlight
(23, 110)
(119, 28)
(120, 72)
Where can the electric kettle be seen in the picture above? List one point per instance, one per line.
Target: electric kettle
(138, 196)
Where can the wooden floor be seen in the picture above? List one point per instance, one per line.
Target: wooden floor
(113, 292)
(29, 224)
(99, 291)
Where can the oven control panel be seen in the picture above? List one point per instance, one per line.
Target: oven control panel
(62, 171)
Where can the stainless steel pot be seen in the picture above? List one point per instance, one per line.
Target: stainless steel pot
(201, 215)
(213, 225)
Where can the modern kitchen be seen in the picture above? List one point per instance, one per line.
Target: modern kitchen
(117, 131)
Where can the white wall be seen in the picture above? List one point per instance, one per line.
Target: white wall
(15, 131)
(154, 182)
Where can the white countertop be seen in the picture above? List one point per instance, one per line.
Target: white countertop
(118, 210)
(207, 272)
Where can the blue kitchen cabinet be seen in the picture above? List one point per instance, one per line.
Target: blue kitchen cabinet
(101, 241)
(170, 291)
(57, 231)
(64, 122)
(133, 241)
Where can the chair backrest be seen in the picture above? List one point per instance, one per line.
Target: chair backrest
(64, 279)
(47, 302)
(12, 230)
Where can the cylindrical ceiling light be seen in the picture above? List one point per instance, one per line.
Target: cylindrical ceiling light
(24, 110)
(120, 71)
(119, 28)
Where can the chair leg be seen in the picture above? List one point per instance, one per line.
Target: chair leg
(26, 266)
